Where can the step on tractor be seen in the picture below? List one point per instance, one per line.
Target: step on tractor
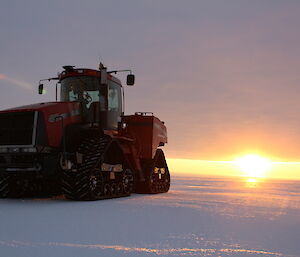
(82, 146)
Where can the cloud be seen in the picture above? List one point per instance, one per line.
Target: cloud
(19, 83)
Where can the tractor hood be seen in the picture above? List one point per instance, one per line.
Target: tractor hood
(37, 124)
(42, 107)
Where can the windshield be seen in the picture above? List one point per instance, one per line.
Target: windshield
(83, 89)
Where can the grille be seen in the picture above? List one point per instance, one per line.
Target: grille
(19, 159)
(16, 160)
(16, 128)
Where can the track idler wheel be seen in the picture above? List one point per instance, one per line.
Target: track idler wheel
(96, 183)
(128, 182)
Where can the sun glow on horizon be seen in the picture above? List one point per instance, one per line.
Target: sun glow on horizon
(251, 180)
(253, 166)
(270, 168)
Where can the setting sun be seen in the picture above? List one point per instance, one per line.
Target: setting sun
(253, 165)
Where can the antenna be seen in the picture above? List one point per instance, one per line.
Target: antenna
(101, 65)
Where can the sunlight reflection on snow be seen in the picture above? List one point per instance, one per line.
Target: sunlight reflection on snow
(229, 197)
(169, 252)
(217, 217)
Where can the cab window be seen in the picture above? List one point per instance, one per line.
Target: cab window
(83, 89)
(114, 97)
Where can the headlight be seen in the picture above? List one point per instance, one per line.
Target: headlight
(14, 150)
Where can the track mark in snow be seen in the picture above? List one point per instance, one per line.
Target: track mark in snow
(172, 251)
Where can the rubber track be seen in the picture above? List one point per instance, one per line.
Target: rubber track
(154, 185)
(4, 187)
(76, 182)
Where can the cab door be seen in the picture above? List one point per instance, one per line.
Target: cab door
(114, 108)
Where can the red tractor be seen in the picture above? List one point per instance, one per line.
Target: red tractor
(83, 145)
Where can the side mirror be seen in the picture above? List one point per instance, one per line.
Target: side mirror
(130, 80)
(41, 89)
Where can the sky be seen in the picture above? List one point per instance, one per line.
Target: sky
(223, 75)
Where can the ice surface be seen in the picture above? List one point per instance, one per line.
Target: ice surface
(198, 217)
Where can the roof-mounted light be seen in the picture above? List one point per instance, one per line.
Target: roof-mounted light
(68, 67)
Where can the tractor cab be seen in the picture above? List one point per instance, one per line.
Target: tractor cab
(99, 93)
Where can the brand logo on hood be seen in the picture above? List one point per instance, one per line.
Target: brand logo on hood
(57, 117)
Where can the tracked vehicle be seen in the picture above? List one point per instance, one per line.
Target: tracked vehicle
(82, 145)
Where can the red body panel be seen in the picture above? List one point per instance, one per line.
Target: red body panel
(69, 111)
(140, 139)
(148, 131)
